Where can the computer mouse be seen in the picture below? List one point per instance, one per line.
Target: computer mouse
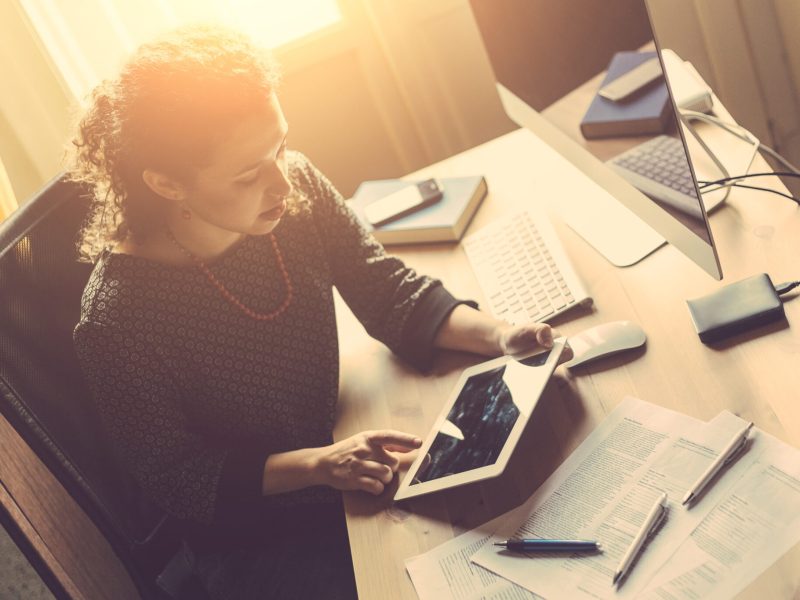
(603, 340)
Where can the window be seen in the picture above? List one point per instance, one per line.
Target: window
(88, 40)
(276, 22)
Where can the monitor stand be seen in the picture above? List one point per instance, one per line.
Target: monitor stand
(597, 216)
(599, 219)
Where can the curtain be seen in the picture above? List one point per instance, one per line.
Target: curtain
(89, 40)
(8, 201)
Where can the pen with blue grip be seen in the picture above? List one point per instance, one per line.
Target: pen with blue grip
(537, 545)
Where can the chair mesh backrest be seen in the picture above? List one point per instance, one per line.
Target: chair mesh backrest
(42, 391)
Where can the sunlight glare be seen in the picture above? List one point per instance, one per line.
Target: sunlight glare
(276, 22)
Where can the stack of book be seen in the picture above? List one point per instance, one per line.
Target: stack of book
(444, 221)
(645, 112)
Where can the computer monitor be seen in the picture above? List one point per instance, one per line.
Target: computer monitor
(544, 53)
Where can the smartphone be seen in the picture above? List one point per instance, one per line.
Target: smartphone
(403, 202)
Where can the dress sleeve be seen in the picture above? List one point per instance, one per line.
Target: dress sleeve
(139, 406)
(397, 306)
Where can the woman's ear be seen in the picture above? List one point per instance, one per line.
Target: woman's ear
(163, 185)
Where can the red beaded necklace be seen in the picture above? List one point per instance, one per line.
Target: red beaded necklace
(233, 299)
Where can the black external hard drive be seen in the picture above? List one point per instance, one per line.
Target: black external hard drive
(737, 307)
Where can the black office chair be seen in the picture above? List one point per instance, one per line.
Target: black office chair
(44, 397)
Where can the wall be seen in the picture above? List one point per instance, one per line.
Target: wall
(409, 85)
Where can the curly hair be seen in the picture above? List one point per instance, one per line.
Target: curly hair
(171, 103)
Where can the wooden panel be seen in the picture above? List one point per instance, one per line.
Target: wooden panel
(59, 530)
(37, 544)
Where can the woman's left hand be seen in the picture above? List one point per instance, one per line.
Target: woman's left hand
(516, 339)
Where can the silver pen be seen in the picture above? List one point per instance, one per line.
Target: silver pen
(724, 457)
(653, 519)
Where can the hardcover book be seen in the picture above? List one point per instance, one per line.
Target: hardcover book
(444, 221)
(645, 112)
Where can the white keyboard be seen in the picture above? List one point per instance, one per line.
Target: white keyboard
(522, 269)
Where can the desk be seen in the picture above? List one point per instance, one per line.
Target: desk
(753, 377)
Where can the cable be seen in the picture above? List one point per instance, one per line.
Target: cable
(705, 184)
(732, 128)
(729, 182)
(779, 158)
(762, 189)
(744, 134)
(740, 132)
(786, 286)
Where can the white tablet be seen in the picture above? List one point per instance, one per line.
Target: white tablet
(481, 422)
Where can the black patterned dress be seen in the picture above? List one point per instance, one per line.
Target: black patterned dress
(196, 395)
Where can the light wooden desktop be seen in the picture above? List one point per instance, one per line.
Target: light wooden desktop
(753, 375)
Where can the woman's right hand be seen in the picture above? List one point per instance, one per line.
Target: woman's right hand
(365, 461)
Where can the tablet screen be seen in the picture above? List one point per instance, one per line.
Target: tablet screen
(490, 407)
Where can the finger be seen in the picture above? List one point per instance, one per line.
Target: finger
(528, 337)
(376, 470)
(390, 437)
(401, 449)
(525, 333)
(377, 453)
(383, 455)
(544, 336)
(371, 485)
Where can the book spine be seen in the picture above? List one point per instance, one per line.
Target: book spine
(599, 130)
(477, 199)
(426, 236)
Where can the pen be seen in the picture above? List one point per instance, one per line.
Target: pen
(653, 519)
(728, 453)
(537, 545)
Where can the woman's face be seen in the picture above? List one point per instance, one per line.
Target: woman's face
(243, 188)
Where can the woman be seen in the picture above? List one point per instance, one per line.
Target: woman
(208, 333)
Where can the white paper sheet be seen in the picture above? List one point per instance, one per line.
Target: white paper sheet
(446, 573)
(755, 521)
(603, 492)
(746, 519)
